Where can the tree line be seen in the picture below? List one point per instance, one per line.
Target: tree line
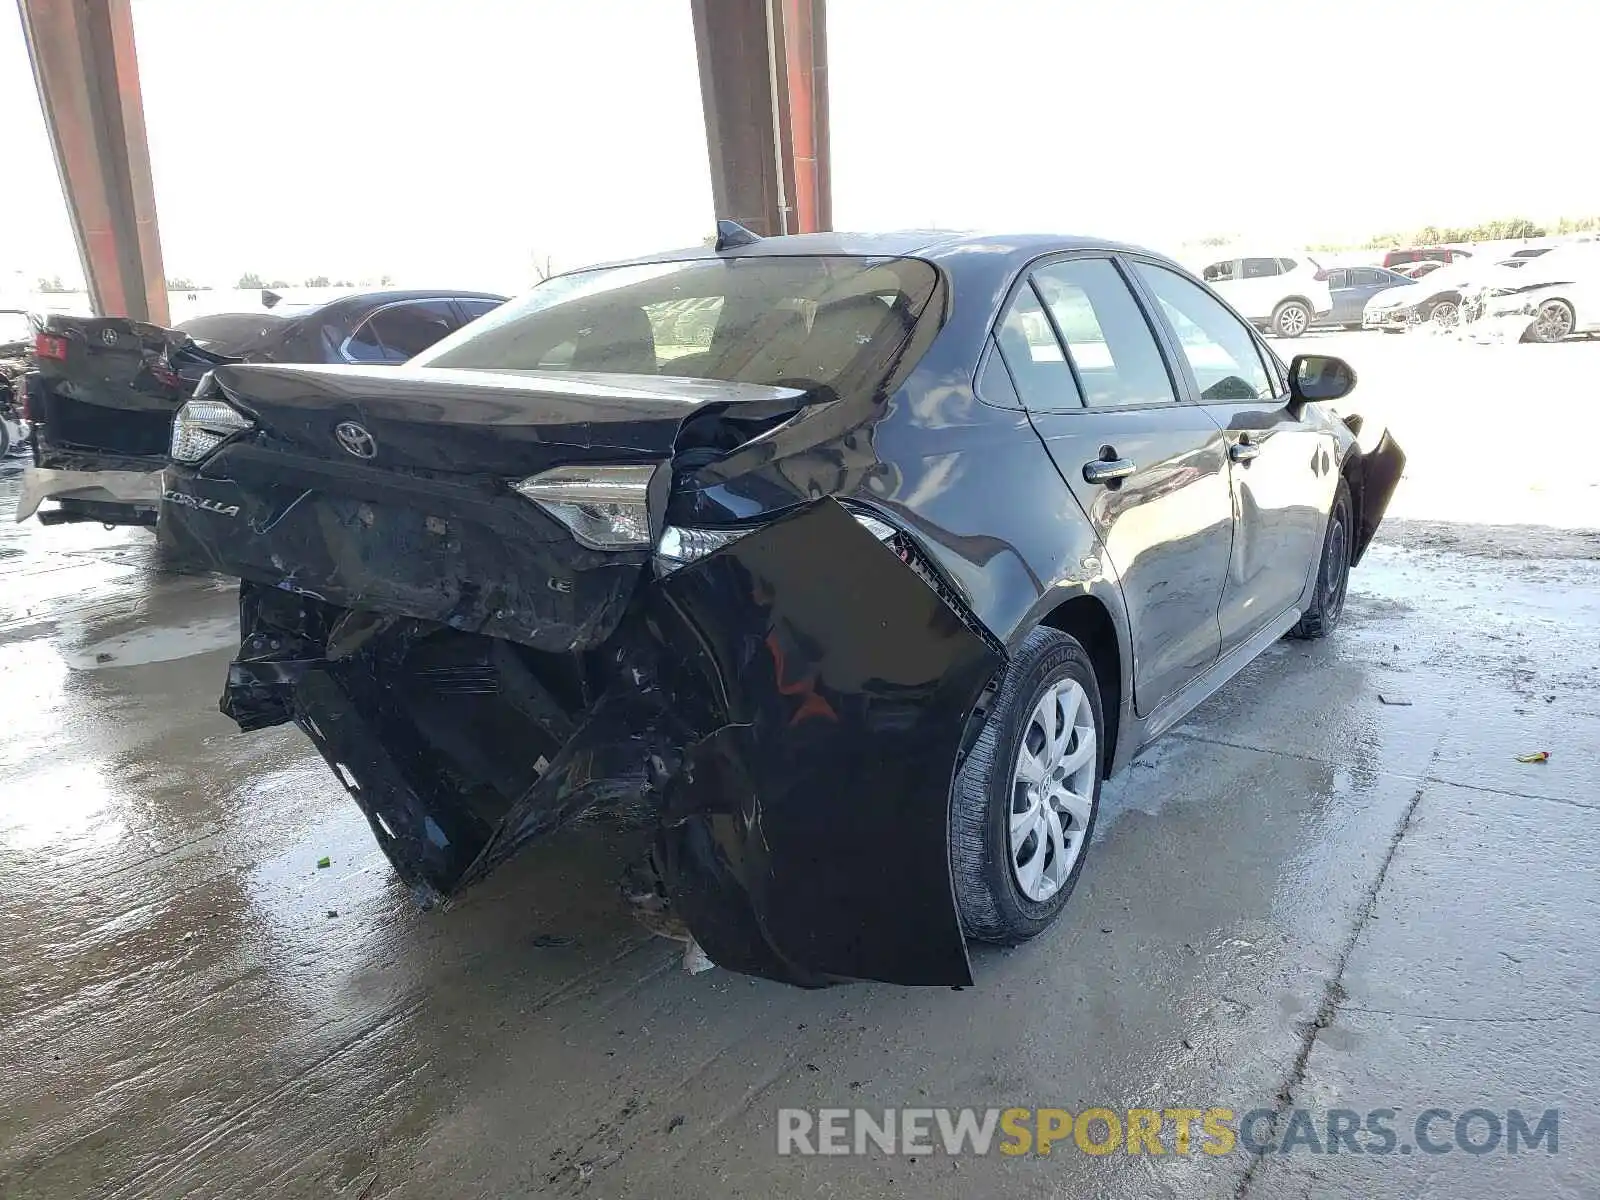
(1503, 229)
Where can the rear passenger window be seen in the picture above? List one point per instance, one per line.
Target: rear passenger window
(1118, 361)
(1260, 268)
(1029, 346)
(1217, 272)
(1223, 355)
(995, 386)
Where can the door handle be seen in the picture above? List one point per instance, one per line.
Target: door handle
(1108, 470)
(1243, 451)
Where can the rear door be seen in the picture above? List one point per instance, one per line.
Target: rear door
(1150, 472)
(1261, 287)
(1367, 282)
(1282, 467)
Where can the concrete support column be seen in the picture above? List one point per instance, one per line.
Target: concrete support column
(764, 84)
(87, 74)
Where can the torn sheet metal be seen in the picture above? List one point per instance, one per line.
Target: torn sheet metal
(1381, 470)
(791, 708)
(808, 836)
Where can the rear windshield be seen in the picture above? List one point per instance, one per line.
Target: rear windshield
(839, 322)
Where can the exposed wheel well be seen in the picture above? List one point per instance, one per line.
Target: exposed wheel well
(1302, 301)
(1086, 619)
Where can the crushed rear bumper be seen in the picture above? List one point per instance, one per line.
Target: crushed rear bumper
(788, 712)
(112, 497)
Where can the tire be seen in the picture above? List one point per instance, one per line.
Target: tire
(994, 900)
(1333, 571)
(1291, 319)
(1445, 315)
(1554, 321)
(5, 439)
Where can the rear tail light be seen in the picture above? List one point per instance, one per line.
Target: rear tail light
(680, 546)
(48, 345)
(203, 425)
(1321, 277)
(605, 507)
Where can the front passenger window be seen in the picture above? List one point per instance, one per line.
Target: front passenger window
(1221, 351)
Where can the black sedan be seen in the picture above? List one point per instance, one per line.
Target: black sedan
(857, 584)
(101, 391)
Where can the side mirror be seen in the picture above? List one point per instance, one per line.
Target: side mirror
(1320, 377)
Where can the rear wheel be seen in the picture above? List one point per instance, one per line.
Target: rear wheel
(1446, 314)
(1290, 319)
(1553, 322)
(1023, 806)
(1333, 573)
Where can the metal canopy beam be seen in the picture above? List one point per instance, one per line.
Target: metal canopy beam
(88, 79)
(764, 85)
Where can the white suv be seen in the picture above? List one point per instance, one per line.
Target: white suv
(1280, 294)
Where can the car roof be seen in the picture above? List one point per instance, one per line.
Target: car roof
(392, 295)
(942, 246)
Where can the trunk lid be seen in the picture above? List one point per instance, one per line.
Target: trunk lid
(107, 390)
(507, 424)
(390, 490)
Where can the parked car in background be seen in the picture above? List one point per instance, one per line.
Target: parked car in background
(1547, 299)
(16, 345)
(927, 537)
(1281, 294)
(1435, 299)
(1417, 270)
(102, 390)
(1351, 288)
(1416, 254)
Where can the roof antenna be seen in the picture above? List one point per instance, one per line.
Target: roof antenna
(731, 234)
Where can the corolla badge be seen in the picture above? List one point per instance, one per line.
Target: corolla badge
(355, 439)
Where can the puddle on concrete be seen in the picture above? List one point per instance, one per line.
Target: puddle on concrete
(154, 645)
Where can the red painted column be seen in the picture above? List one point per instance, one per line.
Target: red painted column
(763, 82)
(87, 74)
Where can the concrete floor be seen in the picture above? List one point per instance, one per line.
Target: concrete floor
(1303, 897)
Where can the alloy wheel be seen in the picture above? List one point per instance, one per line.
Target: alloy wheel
(1446, 315)
(1052, 790)
(1554, 321)
(1292, 321)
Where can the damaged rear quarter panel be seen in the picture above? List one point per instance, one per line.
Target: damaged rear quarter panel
(807, 835)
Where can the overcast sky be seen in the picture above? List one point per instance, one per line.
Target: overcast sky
(453, 142)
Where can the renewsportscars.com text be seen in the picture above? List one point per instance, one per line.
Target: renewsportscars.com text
(1160, 1131)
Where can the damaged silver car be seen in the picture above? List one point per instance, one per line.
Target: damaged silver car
(860, 561)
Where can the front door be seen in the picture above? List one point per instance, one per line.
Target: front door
(1150, 472)
(1283, 469)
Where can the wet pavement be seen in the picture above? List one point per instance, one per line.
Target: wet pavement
(1305, 897)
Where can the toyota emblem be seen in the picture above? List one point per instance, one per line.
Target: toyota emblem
(356, 440)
